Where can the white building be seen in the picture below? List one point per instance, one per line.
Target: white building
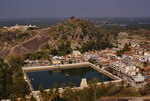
(56, 60)
(138, 78)
(121, 67)
(145, 58)
(20, 27)
(76, 53)
(5, 100)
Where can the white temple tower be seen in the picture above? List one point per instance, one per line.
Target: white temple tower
(83, 83)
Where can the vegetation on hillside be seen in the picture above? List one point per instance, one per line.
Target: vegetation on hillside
(61, 39)
(12, 84)
(10, 37)
(82, 35)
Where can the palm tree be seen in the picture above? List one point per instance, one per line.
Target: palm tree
(41, 88)
(63, 85)
(94, 83)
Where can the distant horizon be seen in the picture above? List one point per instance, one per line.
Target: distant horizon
(70, 16)
(78, 8)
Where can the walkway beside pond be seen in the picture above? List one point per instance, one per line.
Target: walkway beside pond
(67, 66)
(104, 72)
(55, 67)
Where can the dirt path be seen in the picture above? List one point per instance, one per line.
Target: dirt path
(141, 98)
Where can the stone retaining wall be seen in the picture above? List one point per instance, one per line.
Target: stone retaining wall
(67, 66)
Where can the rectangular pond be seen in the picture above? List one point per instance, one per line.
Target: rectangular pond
(74, 75)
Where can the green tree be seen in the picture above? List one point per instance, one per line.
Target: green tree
(63, 85)
(55, 85)
(54, 52)
(95, 81)
(70, 61)
(145, 90)
(126, 47)
(91, 61)
(41, 88)
(71, 84)
(145, 64)
(69, 95)
(32, 98)
(12, 83)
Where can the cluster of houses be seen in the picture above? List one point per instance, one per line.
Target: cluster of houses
(36, 62)
(20, 27)
(130, 64)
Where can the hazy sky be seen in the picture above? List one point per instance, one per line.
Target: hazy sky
(78, 8)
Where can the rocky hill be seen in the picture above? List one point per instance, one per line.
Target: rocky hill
(66, 36)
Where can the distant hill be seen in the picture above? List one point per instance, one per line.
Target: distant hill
(66, 36)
